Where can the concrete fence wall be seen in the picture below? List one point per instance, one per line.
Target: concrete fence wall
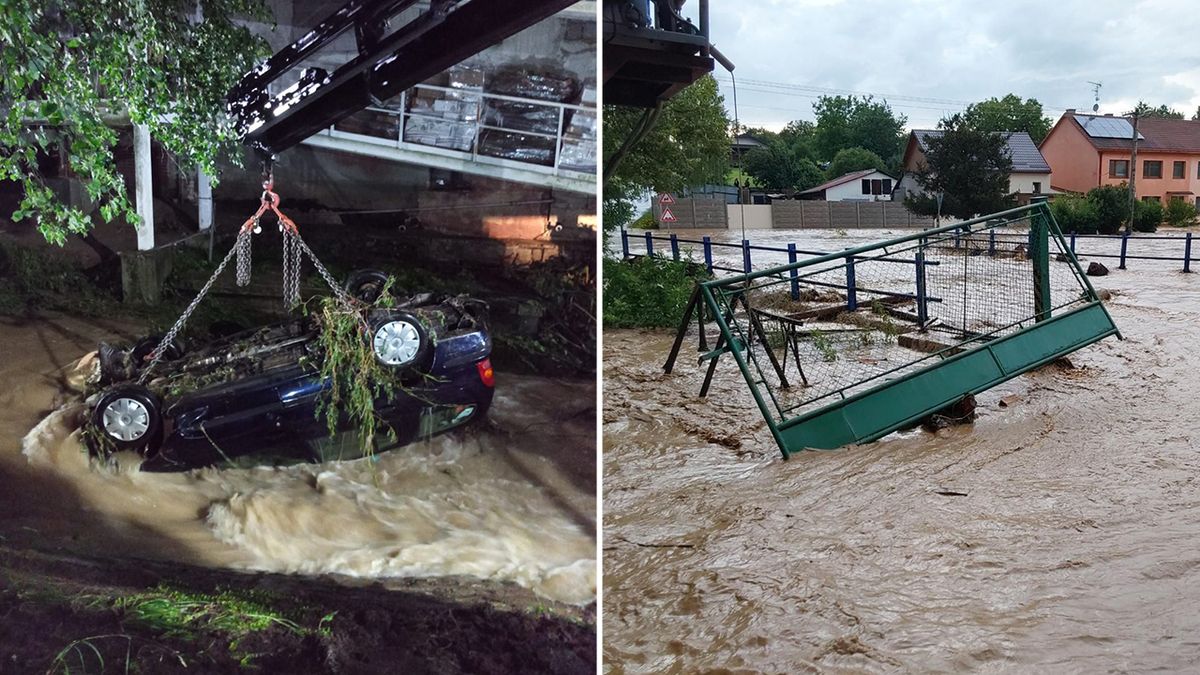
(696, 213)
(711, 213)
(795, 214)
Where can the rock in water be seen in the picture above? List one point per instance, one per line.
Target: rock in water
(1095, 269)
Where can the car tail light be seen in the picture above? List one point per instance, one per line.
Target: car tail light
(485, 373)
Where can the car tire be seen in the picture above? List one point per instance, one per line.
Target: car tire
(127, 417)
(399, 340)
(366, 285)
(141, 353)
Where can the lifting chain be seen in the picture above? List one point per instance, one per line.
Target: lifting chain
(243, 257)
(171, 334)
(294, 250)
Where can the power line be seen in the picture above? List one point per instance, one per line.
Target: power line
(789, 89)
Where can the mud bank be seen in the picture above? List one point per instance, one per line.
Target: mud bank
(50, 602)
(1058, 532)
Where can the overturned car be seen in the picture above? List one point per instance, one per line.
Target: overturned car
(256, 394)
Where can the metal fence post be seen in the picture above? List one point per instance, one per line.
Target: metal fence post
(746, 255)
(674, 247)
(1124, 247)
(793, 273)
(992, 243)
(851, 286)
(1039, 250)
(1072, 242)
(708, 254)
(1187, 253)
(624, 244)
(649, 244)
(922, 299)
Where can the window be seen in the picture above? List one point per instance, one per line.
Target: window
(1150, 199)
(1179, 170)
(1152, 169)
(887, 186)
(866, 186)
(1037, 187)
(1118, 168)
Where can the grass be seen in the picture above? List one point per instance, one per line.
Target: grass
(170, 613)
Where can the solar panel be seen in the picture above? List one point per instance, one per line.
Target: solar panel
(1108, 127)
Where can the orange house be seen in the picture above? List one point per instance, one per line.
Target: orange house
(1087, 151)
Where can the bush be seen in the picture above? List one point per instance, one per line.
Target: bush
(648, 292)
(645, 221)
(1112, 205)
(1075, 214)
(1147, 216)
(1179, 213)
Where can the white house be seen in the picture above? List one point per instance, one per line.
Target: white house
(867, 185)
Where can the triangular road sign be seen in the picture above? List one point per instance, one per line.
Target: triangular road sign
(666, 216)
(666, 198)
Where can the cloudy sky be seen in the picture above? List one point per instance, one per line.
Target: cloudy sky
(932, 57)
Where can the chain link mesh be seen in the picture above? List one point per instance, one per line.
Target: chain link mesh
(843, 325)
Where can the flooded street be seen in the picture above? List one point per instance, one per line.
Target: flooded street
(1058, 532)
(510, 502)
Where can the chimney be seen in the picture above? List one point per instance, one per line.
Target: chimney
(1070, 111)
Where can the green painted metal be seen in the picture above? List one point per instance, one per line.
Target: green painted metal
(885, 402)
(899, 403)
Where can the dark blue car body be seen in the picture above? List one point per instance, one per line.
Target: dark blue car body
(271, 416)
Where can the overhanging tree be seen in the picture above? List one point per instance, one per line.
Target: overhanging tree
(73, 71)
(688, 146)
(968, 167)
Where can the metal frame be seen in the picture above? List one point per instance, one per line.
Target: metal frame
(886, 405)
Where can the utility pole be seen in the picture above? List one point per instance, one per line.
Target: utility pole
(1133, 176)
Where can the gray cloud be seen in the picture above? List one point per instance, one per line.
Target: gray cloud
(958, 51)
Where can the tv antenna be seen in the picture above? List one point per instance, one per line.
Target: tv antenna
(1096, 93)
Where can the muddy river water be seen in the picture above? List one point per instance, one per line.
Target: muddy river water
(511, 502)
(1058, 533)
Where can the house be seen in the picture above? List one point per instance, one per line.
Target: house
(742, 144)
(1088, 151)
(1030, 173)
(868, 185)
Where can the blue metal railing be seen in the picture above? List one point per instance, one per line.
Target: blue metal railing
(1177, 242)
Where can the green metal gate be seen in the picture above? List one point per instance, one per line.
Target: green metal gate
(880, 336)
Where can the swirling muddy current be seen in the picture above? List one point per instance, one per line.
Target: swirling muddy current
(1058, 532)
(511, 501)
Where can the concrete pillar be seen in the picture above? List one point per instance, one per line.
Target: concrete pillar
(144, 186)
(204, 199)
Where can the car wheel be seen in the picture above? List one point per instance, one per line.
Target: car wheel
(400, 341)
(128, 417)
(366, 285)
(143, 350)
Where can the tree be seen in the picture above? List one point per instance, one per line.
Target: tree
(1144, 109)
(688, 146)
(853, 122)
(74, 70)
(854, 159)
(1009, 114)
(782, 166)
(1196, 117)
(968, 167)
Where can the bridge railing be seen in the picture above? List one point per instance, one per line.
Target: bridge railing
(465, 124)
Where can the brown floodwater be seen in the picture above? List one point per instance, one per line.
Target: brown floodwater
(1059, 532)
(514, 501)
